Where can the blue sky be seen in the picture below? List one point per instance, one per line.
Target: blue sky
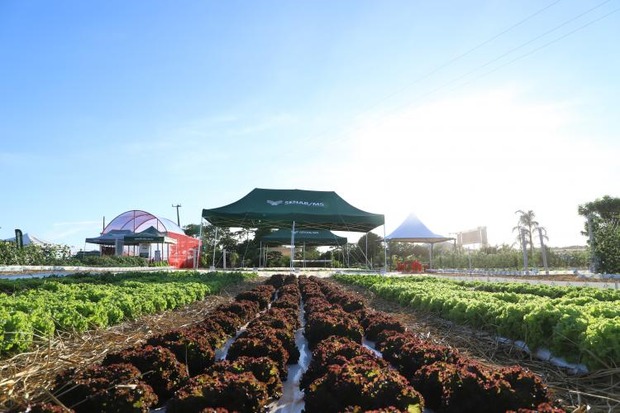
(461, 112)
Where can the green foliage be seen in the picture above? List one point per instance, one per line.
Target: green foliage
(111, 261)
(35, 309)
(603, 216)
(578, 323)
(601, 342)
(17, 332)
(607, 248)
(277, 259)
(32, 254)
(371, 249)
(506, 258)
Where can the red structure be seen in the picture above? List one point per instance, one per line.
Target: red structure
(182, 253)
(410, 266)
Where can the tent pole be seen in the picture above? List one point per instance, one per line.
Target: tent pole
(292, 246)
(197, 263)
(214, 245)
(430, 255)
(366, 252)
(348, 257)
(385, 263)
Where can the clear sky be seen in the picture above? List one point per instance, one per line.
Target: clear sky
(459, 111)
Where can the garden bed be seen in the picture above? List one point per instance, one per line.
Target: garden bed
(285, 350)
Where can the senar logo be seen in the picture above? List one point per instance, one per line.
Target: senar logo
(305, 203)
(296, 202)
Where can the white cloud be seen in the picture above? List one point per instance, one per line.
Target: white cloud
(473, 161)
(71, 232)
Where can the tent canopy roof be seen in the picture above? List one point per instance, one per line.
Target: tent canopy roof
(28, 239)
(278, 208)
(149, 236)
(136, 220)
(307, 236)
(110, 237)
(413, 230)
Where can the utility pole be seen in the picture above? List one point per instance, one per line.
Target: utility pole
(177, 206)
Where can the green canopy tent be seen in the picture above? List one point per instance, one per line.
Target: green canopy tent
(109, 238)
(149, 236)
(303, 236)
(295, 209)
(123, 237)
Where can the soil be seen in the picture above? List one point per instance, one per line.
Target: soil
(568, 277)
(600, 391)
(25, 377)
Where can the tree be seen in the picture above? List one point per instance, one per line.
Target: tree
(528, 224)
(370, 246)
(409, 251)
(220, 238)
(192, 230)
(603, 223)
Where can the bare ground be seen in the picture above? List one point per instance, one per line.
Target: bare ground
(28, 376)
(599, 390)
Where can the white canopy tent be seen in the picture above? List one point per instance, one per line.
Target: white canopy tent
(30, 239)
(413, 230)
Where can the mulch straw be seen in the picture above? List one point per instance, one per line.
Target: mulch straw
(28, 377)
(599, 391)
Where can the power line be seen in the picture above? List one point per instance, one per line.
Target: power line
(473, 49)
(512, 50)
(572, 19)
(450, 62)
(531, 52)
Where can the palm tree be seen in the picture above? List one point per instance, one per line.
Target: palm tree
(528, 224)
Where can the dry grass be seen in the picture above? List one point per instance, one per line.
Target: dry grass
(599, 390)
(27, 377)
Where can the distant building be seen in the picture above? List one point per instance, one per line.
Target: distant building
(472, 237)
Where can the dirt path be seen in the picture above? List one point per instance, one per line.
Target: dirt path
(27, 376)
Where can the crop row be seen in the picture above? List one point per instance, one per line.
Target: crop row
(13, 286)
(351, 378)
(578, 324)
(32, 315)
(238, 356)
